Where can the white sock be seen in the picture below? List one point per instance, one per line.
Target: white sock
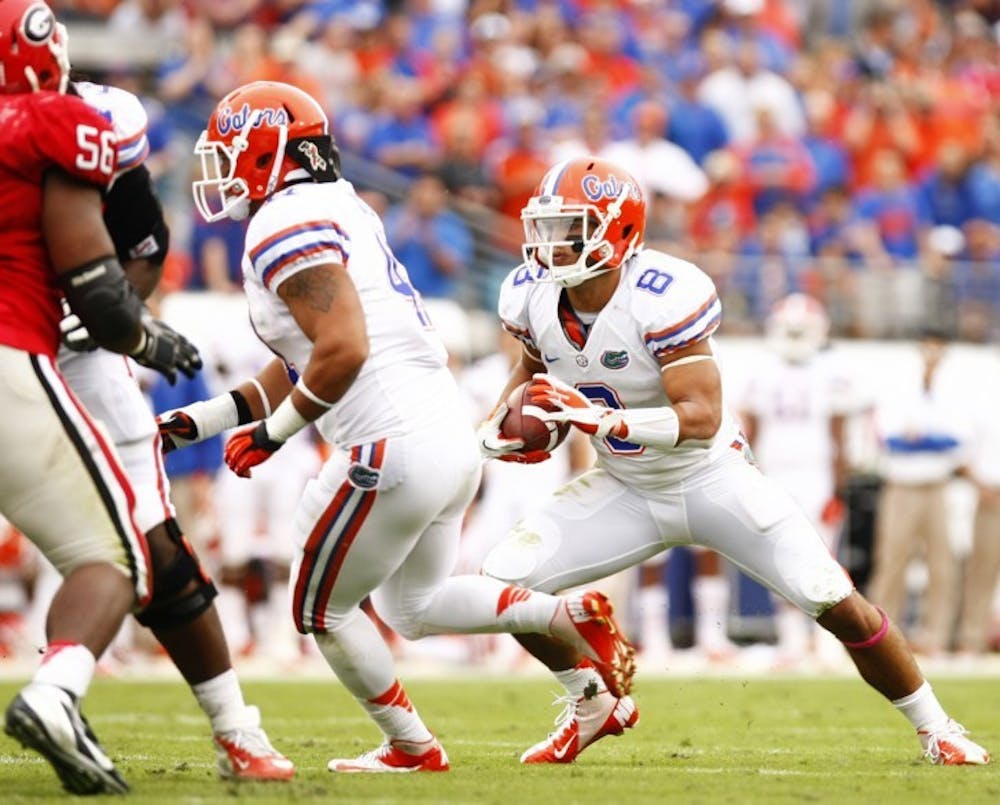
(922, 708)
(711, 598)
(396, 716)
(222, 700)
(580, 680)
(69, 666)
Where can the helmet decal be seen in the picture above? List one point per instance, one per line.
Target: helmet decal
(596, 188)
(38, 24)
(235, 121)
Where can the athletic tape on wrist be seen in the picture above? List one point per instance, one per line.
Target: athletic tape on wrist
(243, 415)
(302, 387)
(285, 422)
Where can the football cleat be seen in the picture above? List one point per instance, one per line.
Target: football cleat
(585, 620)
(245, 753)
(580, 724)
(45, 718)
(391, 758)
(948, 746)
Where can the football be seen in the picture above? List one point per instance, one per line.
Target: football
(537, 434)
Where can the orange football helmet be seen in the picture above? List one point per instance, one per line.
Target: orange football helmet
(259, 137)
(591, 205)
(32, 48)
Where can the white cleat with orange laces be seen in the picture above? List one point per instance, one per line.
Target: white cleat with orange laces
(586, 621)
(949, 746)
(583, 722)
(245, 753)
(392, 758)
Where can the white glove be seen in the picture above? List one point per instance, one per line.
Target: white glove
(491, 443)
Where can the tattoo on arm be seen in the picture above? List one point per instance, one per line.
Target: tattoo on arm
(316, 286)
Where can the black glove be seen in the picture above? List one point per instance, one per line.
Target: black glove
(178, 430)
(168, 352)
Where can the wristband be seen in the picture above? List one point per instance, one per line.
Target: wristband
(653, 427)
(263, 396)
(243, 415)
(285, 422)
(304, 389)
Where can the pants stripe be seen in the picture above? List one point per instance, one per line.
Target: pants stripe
(119, 502)
(321, 562)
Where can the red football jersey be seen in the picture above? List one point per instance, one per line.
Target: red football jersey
(38, 131)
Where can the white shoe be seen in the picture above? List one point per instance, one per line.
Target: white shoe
(583, 722)
(245, 753)
(948, 746)
(392, 758)
(45, 718)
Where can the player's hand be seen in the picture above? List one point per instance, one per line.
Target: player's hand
(492, 444)
(552, 400)
(248, 448)
(168, 352)
(177, 429)
(74, 335)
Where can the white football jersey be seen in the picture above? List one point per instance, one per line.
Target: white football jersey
(662, 304)
(405, 383)
(104, 380)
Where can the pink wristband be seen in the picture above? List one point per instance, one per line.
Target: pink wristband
(876, 638)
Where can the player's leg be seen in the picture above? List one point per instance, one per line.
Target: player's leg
(62, 485)
(183, 617)
(590, 529)
(751, 520)
(981, 576)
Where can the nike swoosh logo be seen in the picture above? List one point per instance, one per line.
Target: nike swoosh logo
(243, 764)
(550, 358)
(560, 752)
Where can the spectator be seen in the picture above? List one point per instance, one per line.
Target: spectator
(215, 256)
(518, 161)
(890, 206)
(920, 431)
(658, 164)
(879, 121)
(429, 239)
(694, 126)
(951, 194)
(402, 139)
(828, 155)
(777, 167)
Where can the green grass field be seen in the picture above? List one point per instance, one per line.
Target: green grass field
(698, 741)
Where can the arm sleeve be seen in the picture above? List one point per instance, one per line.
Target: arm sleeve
(134, 217)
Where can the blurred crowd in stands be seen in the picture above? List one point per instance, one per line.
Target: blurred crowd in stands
(846, 148)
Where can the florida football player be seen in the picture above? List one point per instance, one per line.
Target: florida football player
(358, 356)
(61, 482)
(183, 615)
(617, 342)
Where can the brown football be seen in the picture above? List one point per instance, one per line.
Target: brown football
(537, 434)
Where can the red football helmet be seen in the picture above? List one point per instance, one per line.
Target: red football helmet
(259, 137)
(591, 205)
(32, 48)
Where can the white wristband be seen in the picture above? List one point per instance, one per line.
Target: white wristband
(212, 416)
(302, 387)
(285, 422)
(653, 427)
(263, 396)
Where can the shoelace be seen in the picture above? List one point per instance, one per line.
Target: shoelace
(567, 714)
(252, 740)
(951, 730)
(378, 753)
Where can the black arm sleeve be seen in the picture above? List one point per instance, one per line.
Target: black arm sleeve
(106, 303)
(134, 217)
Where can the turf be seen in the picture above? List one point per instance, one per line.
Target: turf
(699, 741)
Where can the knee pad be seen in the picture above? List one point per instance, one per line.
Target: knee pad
(521, 555)
(181, 589)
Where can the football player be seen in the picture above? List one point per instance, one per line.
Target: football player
(617, 342)
(358, 356)
(61, 482)
(183, 614)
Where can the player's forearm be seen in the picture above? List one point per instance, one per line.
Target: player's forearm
(698, 420)
(143, 275)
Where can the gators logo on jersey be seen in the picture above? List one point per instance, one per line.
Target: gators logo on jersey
(363, 477)
(615, 359)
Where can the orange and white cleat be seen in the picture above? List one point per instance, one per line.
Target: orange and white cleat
(586, 620)
(948, 746)
(245, 753)
(392, 758)
(583, 722)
